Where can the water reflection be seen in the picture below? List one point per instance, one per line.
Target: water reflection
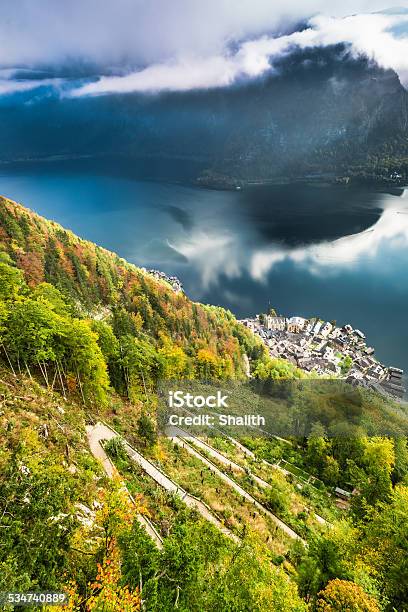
(234, 247)
(391, 230)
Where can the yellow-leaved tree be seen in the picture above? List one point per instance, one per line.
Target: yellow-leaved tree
(345, 596)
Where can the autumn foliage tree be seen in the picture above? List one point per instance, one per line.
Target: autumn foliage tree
(345, 596)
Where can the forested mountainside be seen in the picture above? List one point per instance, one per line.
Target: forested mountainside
(97, 283)
(326, 111)
(85, 337)
(322, 111)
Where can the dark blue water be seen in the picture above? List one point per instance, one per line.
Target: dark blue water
(337, 252)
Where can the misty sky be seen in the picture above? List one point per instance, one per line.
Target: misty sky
(154, 45)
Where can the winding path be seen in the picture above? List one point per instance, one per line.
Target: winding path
(178, 432)
(103, 432)
(182, 442)
(97, 433)
(275, 466)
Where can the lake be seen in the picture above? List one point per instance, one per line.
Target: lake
(307, 249)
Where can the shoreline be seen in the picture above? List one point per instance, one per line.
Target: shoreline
(324, 181)
(221, 182)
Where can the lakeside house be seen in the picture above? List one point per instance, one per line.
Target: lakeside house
(295, 324)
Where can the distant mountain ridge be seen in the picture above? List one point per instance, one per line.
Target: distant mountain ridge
(322, 111)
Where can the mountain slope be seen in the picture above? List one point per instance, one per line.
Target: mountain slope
(99, 336)
(98, 284)
(322, 110)
(49, 484)
(71, 339)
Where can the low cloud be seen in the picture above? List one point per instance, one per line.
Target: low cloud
(183, 75)
(10, 86)
(157, 45)
(382, 37)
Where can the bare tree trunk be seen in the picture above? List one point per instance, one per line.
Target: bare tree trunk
(8, 359)
(42, 372)
(80, 386)
(62, 370)
(128, 384)
(177, 596)
(61, 381)
(144, 384)
(142, 601)
(126, 376)
(28, 370)
(53, 380)
(46, 374)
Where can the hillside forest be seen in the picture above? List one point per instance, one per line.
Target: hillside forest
(86, 338)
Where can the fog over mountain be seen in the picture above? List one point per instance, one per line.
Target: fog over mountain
(157, 46)
(328, 88)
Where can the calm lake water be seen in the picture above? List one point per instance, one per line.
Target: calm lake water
(337, 252)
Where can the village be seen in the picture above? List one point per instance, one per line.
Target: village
(318, 346)
(314, 345)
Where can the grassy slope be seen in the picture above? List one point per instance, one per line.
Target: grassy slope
(46, 469)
